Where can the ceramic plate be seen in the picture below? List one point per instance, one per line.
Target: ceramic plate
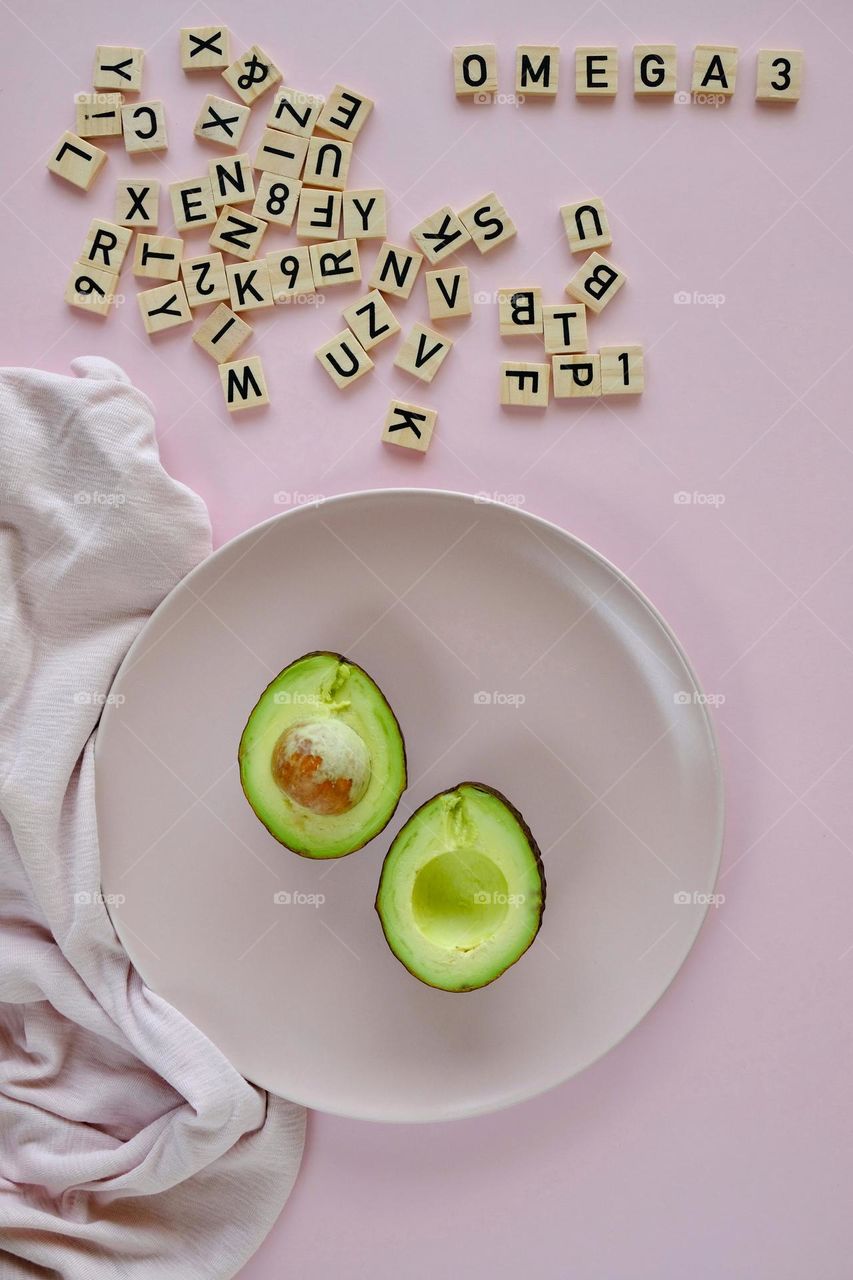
(512, 654)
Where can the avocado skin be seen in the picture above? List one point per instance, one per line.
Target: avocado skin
(339, 657)
(537, 854)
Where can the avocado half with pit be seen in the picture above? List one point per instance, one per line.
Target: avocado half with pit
(322, 759)
(462, 889)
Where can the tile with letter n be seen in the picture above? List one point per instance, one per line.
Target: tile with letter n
(714, 69)
(448, 293)
(423, 353)
(475, 70)
(395, 270)
(525, 385)
(105, 245)
(344, 359)
(222, 334)
(232, 180)
(277, 199)
(243, 384)
(144, 127)
(778, 75)
(596, 282)
(91, 289)
(249, 285)
(335, 263)
(77, 161)
(409, 425)
(238, 232)
(290, 274)
(222, 121)
(371, 320)
(577, 377)
(205, 48)
(98, 114)
(138, 203)
(586, 225)
(294, 112)
(204, 279)
(281, 153)
(327, 163)
(157, 257)
(655, 70)
(596, 71)
(164, 307)
(537, 70)
(365, 216)
(622, 370)
(118, 67)
(344, 113)
(440, 234)
(488, 223)
(252, 74)
(192, 203)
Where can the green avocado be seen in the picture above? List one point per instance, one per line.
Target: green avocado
(462, 889)
(322, 759)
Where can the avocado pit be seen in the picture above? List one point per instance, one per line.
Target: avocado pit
(322, 765)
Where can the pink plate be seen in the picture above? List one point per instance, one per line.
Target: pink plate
(512, 654)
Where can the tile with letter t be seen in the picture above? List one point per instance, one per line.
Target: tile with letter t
(164, 307)
(98, 114)
(252, 74)
(243, 384)
(371, 320)
(622, 371)
(577, 377)
(221, 121)
(77, 161)
(475, 70)
(91, 289)
(586, 225)
(564, 327)
(423, 353)
(525, 385)
(205, 48)
(222, 334)
(596, 283)
(157, 257)
(344, 113)
(344, 359)
(778, 75)
(144, 127)
(118, 67)
(409, 425)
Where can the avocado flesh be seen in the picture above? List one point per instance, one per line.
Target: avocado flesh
(462, 889)
(317, 687)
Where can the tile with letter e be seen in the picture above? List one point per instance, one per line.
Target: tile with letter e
(232, 180)
(192, 203)
(423, 353)
(290, 274)
(105, 245)
(655, 70)
(281, 153)
(622, 371)
(277, 199)
(204, 279)
(252, 74)
(487, 222)
(164, 307)
(440, 235)
(205, 48)
(319, 214)
(144, 127)
(537, 70)
(221, 121)
(157, 257)
(395, 270)
(222, 334)
(98, 115)
(344, 114)
(335, 263)
(519, 312)
(365, 216)
(371, 320)
(238, 232)
(525, 385)
(344, 359)
(714, 69)
(118, 67)
(77, 161)
(243, 384)
(475, 70)
(596, 71)
(409, 425)
(327, 163)
(249, 285)
(577, 377)
(586, 225)
(294, 112)
(778, 75)
(91, 289)
(596, 282)
(448, 293)
(138, 203)
(564, 327)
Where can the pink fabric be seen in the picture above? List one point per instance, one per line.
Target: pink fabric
(128, 1144)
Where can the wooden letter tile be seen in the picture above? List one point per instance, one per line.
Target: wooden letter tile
(157, 257)
(290, 274)
(277, 199)
(488, 223)
(232, 180)
(519, 312)
(714, 69)
(238, 232)
(138, 203)
(105, 245)
(423, 353)
(77, 161)
(91, 289)
(335, 263)
(204, 280)
(192, 203)
(586, 225)
(778, 75)
(205, 48)
(525, 385)
(364, 213)
(98, 114)
(252, 74)
(118, 67)
(622, 371)
(344, 359)
(440, 235)
(395, 270)
(282, 153)
(409, 425)
(249, 285)
(344, 113)
(243, 384)
(222, 334)
(448, 293)
(221, 121)
(577, 377)
(319, 216)
(655, 70)
(596, 71)
(164, 307)
(327, 163)
(144, 127)
(475, 71)
(564, 328)
(295, 112)
(371, 320)
(596, 282)
(537, 70)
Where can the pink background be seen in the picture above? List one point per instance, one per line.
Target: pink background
(715, 1141)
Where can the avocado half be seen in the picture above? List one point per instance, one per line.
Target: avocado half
(462, 889)
(322, 759)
